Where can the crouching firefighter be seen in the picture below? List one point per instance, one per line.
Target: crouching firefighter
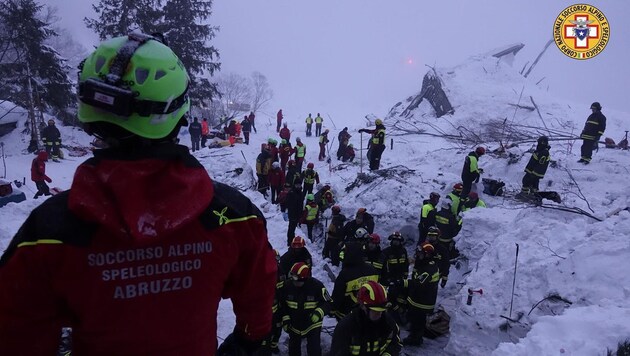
(536, 167)
(303, 301)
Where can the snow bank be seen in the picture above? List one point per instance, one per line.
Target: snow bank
(573, 333)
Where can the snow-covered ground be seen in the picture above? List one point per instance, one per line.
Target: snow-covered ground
(576, 257)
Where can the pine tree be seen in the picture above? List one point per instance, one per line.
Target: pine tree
(27, 54)
(119, 17)
(183, 22)
(188, 35)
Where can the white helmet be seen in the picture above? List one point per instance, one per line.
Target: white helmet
(445, 204)
(275, 165)
(361, 233)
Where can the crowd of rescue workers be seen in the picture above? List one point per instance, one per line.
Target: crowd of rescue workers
(374, 283)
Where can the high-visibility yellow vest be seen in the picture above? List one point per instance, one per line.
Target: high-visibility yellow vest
(318, 119)
(309, 120)
(376, 140)
(311, 212)
(300, 151)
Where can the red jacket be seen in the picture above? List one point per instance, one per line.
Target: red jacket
(205, 129)
(285, 133)
(135, 258)
(38, 167)
(276, 178)
(305, 214)
(285, 152)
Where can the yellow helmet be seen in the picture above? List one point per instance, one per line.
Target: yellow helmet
(378, 122)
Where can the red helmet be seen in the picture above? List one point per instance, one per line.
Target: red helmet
(458, 187)
(336, 209)
(298, 242)
(480, 151)
(373, 295)
(291, 163)
(300, 271)
(310, 165)
(375, 239)
(473, 196)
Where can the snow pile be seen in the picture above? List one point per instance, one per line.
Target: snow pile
(10, 112)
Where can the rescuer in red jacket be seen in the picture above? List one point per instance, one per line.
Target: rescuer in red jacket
(137, 255)
(38, 174)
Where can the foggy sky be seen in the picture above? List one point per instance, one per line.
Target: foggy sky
(354, 57)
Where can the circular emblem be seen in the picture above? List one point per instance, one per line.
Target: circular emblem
(581, 31)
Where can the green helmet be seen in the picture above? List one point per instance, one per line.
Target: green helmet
(135, 82)
(310, 197)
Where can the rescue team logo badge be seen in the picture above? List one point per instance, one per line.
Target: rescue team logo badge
(581, 31)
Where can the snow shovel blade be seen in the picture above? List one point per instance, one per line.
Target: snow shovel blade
(330, 273)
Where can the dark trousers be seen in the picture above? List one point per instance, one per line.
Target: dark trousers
(322, 151)
(308, 189)
(194, 140)
(52, 148)
(341, 151)
(313, 343)
(42, 189)
(309, 128)
(276, 329)
(274, 193)
(318, 129)
(278, 126)
(291, 230)
(246, 137)
(587, 149)
(263, 185)
(298, 163)
(204, 139)
(374, 155)
(467, 183)
(309, 229)
(254, 126)
(530, 183)
(331, 250)
(418, 320)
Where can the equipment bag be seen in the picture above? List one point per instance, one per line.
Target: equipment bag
(493, 187)
(438, 324)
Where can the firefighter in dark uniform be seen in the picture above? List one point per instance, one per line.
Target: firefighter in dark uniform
(377, 144)
(421, 293)
(471, 170)
(369, 330)
(360, 240)
(310, 177)
(362, 219)
(441, 255)
(52, 140)
(449, 226)
(593, 129)
(335, 236)
(427, 215)
(354, 273)
(537, 166)
(395, 260)
(304, 302)
(373, 253)
(297, 253)
(455, 196)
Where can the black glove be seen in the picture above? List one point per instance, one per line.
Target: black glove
(233, 345)
(443, 283)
